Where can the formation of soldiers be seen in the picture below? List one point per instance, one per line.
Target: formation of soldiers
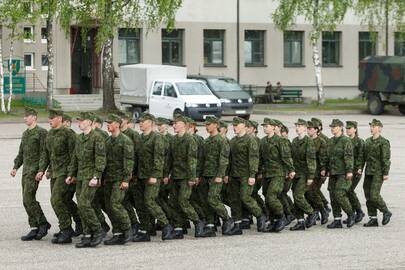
(158, 181)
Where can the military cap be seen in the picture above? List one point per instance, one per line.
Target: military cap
(98, 119)
(376, 122)
(66, 117)
(147, 116)
(351, 124)
(278, 123)
(54, 113)
(311, 124)
(317, 122)
(161, 121)
(269, 121)
(284, 129)
(86, 116)
(180, 118)
(211, 120)
(238, 120)
(301, 122)
(252, 123)
(336, 123)
(191, 121)
(30, 111)
(113, 118)
(121, 114)
(223, 124)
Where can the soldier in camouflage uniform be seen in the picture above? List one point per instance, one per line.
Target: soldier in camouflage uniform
(340, 169)
(304, 157)
(377, 155)
(31, 146)
(86, 167)
(275, 157)
(358, 157)
(183, 171)
(244, 163)
(223, 131)
(57, 154)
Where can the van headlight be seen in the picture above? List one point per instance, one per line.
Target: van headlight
(250, 100)
(192, 105)
(225, 100)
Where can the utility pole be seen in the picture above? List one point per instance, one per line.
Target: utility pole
(386, 26)
(237, 41)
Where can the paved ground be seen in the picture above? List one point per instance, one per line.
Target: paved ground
(316, 248)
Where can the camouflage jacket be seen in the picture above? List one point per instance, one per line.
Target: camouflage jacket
(358, 153)
(377, 154)
(287, 144)
(58, 151)
(200, 142)
(326, 138)
(275, 157)
(89, 157)
(340, 151)
(215, 157)
(321, 148)
(182, 162)
(151, 156)
(304, 157)
(120, 159)
(31, 146)
(101, 132)
(134, 136)
(244, 156)
(167, 138)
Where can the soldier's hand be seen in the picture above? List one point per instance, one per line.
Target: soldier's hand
(323, 173)
(197, 181)
(218, 180)
(359, 171)
(309, 182)
(39, 176)
(124, 185)
(291, 175)
(166, 180)
(69, 180)
(47, 175)
(152, 181)
(93, 182)
(385, 177)
(251, 181)
(191, 183)
(226, 179)
(349, 176)
(260, 176)
(13, 172)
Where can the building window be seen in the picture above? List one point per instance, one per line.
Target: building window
(399, 49)
(293, 48)
(331, 48)
(28, 33)
(254, 47)
(29, 61)
(367, 44)
(129, 43)
(44, 35)
(172, 47)
(214, 47)
(44, 62)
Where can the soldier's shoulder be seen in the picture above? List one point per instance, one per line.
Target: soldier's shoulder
(42, 130)
(385, 141)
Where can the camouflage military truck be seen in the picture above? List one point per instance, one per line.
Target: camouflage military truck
(382, 79)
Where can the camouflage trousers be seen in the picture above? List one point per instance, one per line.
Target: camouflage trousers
(301, 205)
(180, 199)
(354, 200)
(85, 196)
(288, 205)
(62, 203)
(114, 197)
(164, 201)
(314, 195)
(274, 188)
(129, 202)
(99, 204)
(215, 204)
(198, 199)
(339, 188)
(262, 204)
(34, 211)
(372, 191)
(240, 193)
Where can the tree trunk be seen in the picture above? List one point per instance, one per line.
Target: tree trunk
(318, 72)
(10, 62)
(108, 77)
(3, 105)
(50, 77)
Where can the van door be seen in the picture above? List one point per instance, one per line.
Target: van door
(156, 99)
(172, 101)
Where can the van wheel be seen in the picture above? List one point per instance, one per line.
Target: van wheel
(375, 105)
(401, 109)
(177, 112)
(136, 113)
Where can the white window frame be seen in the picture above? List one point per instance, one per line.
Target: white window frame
(32, 67)
(43, 40)
(44, 67)
(28, 40)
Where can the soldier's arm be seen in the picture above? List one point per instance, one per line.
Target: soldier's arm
(73, 166)
(360, 156)
(44, 159)
(192, 158)
(18, 161)
(100, 159)
(311, 159)
(323, 155)
(348, 157)
(136, 141)
(72, 138)
(158, 157)
(253, 158)
(223, 158)
(128, 160)
(201, 161)
(386, 157)
(285, 153)
(261, 152)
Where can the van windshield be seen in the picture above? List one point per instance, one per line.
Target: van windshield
(224, 84)
(193, 88)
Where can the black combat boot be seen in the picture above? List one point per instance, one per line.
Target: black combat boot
(269, 226)
(324, 216)
(141, 236)
(311, 220)
(327, 208)
(185, 231)
(227, 226)
(279, 225)
(96, 239)
(128, 235)
(105, 228)
(85, 242)
(261, 223)
(351, 220)
(178, 233)
(359, 216)
(135, 228)
(386, 217)
(288, 219)
(245, 224)
(236, 230)
(300, 226)
(78, 229)
(336, 224)
(200, 230)
(30, 235)
(116, 239)
(373, 222)
(210, 230)
(42, 231)
(167, 232)
(65, 237)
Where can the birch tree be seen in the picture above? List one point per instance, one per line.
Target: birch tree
(106, 16)
(323, 15)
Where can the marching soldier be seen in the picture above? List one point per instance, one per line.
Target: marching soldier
(31, 146)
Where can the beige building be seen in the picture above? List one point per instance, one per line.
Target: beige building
(206, 42)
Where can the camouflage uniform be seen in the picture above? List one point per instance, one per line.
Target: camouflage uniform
(198, 196)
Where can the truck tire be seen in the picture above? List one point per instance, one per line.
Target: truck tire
(136, 112)
(374, 104)
(401, 109)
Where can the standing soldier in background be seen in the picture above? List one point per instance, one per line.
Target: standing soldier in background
(358, 158)
(57, 154)
(86, 167)
(31, 146)
(377, 154)
(340, 169)
(303, 153)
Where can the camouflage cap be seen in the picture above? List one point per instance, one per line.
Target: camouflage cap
(85, 116)
(113, 118)
(162, 121)
(269, 121)
(66, 117)
(311, 124)
(180, 118)
(238, 120)
(146, 116)
(252, 123)
(376, 122)
(284, 129)
(191, 121)
(211, 120)
(30, 111)
(278, 123)
(54, 113)
(336, 123)
(351, 124)
(223, 124)
(317, 122)
(98, 119)
(301, 122)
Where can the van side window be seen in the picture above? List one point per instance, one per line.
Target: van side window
(157, 89)
(169, 90)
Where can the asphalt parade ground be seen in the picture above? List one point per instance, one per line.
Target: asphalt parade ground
(315, 248)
